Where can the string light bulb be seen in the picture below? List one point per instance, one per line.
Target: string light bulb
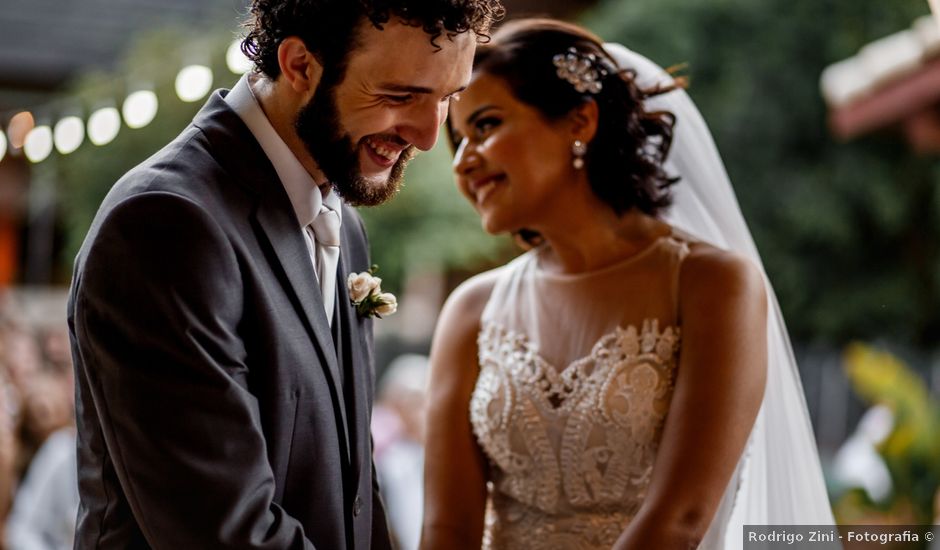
(236, 60)
(140, 108)
(69, 133)
(104, 125)
(38, 144)
(193, 83)
(20, 126)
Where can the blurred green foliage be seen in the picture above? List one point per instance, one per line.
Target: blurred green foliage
(911, 451)
(849, 232)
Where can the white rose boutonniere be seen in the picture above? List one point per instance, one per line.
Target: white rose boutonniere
(365, 292)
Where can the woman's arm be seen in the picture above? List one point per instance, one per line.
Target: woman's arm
(718, 393)
(455, 468)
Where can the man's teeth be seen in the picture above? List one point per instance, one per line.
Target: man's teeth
(382, 151)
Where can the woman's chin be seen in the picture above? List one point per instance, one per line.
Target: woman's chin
(493, 226)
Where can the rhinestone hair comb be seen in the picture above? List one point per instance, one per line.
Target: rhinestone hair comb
(583, 71)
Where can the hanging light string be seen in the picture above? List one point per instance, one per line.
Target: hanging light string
(58, 125)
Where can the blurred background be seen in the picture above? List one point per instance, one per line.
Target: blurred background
(827, 114)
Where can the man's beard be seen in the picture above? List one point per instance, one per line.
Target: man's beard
(320, 129)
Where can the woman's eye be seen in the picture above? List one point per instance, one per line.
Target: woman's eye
(485, 125)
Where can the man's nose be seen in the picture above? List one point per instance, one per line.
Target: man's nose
(424, 125)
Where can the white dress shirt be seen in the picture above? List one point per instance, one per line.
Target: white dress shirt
(303, 191)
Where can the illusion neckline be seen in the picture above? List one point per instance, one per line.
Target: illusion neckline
(540, 270)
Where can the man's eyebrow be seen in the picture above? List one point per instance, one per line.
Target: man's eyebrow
(406, 88)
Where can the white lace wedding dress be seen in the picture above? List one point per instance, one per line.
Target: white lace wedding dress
(576, 377)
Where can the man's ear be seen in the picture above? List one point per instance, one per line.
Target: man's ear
(300, 68)
(583, 121)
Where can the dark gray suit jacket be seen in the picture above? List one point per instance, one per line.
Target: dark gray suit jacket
(215, 406)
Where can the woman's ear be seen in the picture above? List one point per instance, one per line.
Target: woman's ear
(300, 68)
(583, 121)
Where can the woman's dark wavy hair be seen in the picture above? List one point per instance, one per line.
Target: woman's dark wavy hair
(624, 160)
(328, 27)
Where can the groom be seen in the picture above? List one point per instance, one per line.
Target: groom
(224, 380)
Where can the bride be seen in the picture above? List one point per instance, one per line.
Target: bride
(627, 382)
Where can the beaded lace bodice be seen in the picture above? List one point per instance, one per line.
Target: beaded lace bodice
(572, 442)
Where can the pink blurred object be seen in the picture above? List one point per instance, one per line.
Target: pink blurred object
(387, 427)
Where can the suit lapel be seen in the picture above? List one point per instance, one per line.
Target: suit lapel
(280, 228)
(238, 152)
(355, 351)
(351, 349)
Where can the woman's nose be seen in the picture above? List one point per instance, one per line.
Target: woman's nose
(466, 159)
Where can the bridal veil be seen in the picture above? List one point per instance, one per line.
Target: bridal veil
(779, 479)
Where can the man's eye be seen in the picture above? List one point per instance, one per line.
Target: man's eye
(399, 98)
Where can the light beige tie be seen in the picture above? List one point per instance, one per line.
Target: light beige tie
(326, 231)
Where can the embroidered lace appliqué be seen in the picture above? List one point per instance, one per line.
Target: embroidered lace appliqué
(571, 449)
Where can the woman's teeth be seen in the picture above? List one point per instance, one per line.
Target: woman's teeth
(484, 190)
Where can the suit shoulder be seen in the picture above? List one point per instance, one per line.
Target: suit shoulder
(165, 218)
(159, 241)
(179, 165)
(185, 170)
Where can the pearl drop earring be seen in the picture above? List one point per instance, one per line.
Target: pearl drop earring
(578, 149)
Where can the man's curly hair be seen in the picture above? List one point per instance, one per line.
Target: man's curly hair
(328, 27)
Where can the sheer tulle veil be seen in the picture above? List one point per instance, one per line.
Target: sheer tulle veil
(779, 479)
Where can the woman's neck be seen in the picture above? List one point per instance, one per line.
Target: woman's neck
(595, 237)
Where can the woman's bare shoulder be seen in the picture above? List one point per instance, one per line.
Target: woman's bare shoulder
(459, 322)
(470, 297)
(709, 269)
